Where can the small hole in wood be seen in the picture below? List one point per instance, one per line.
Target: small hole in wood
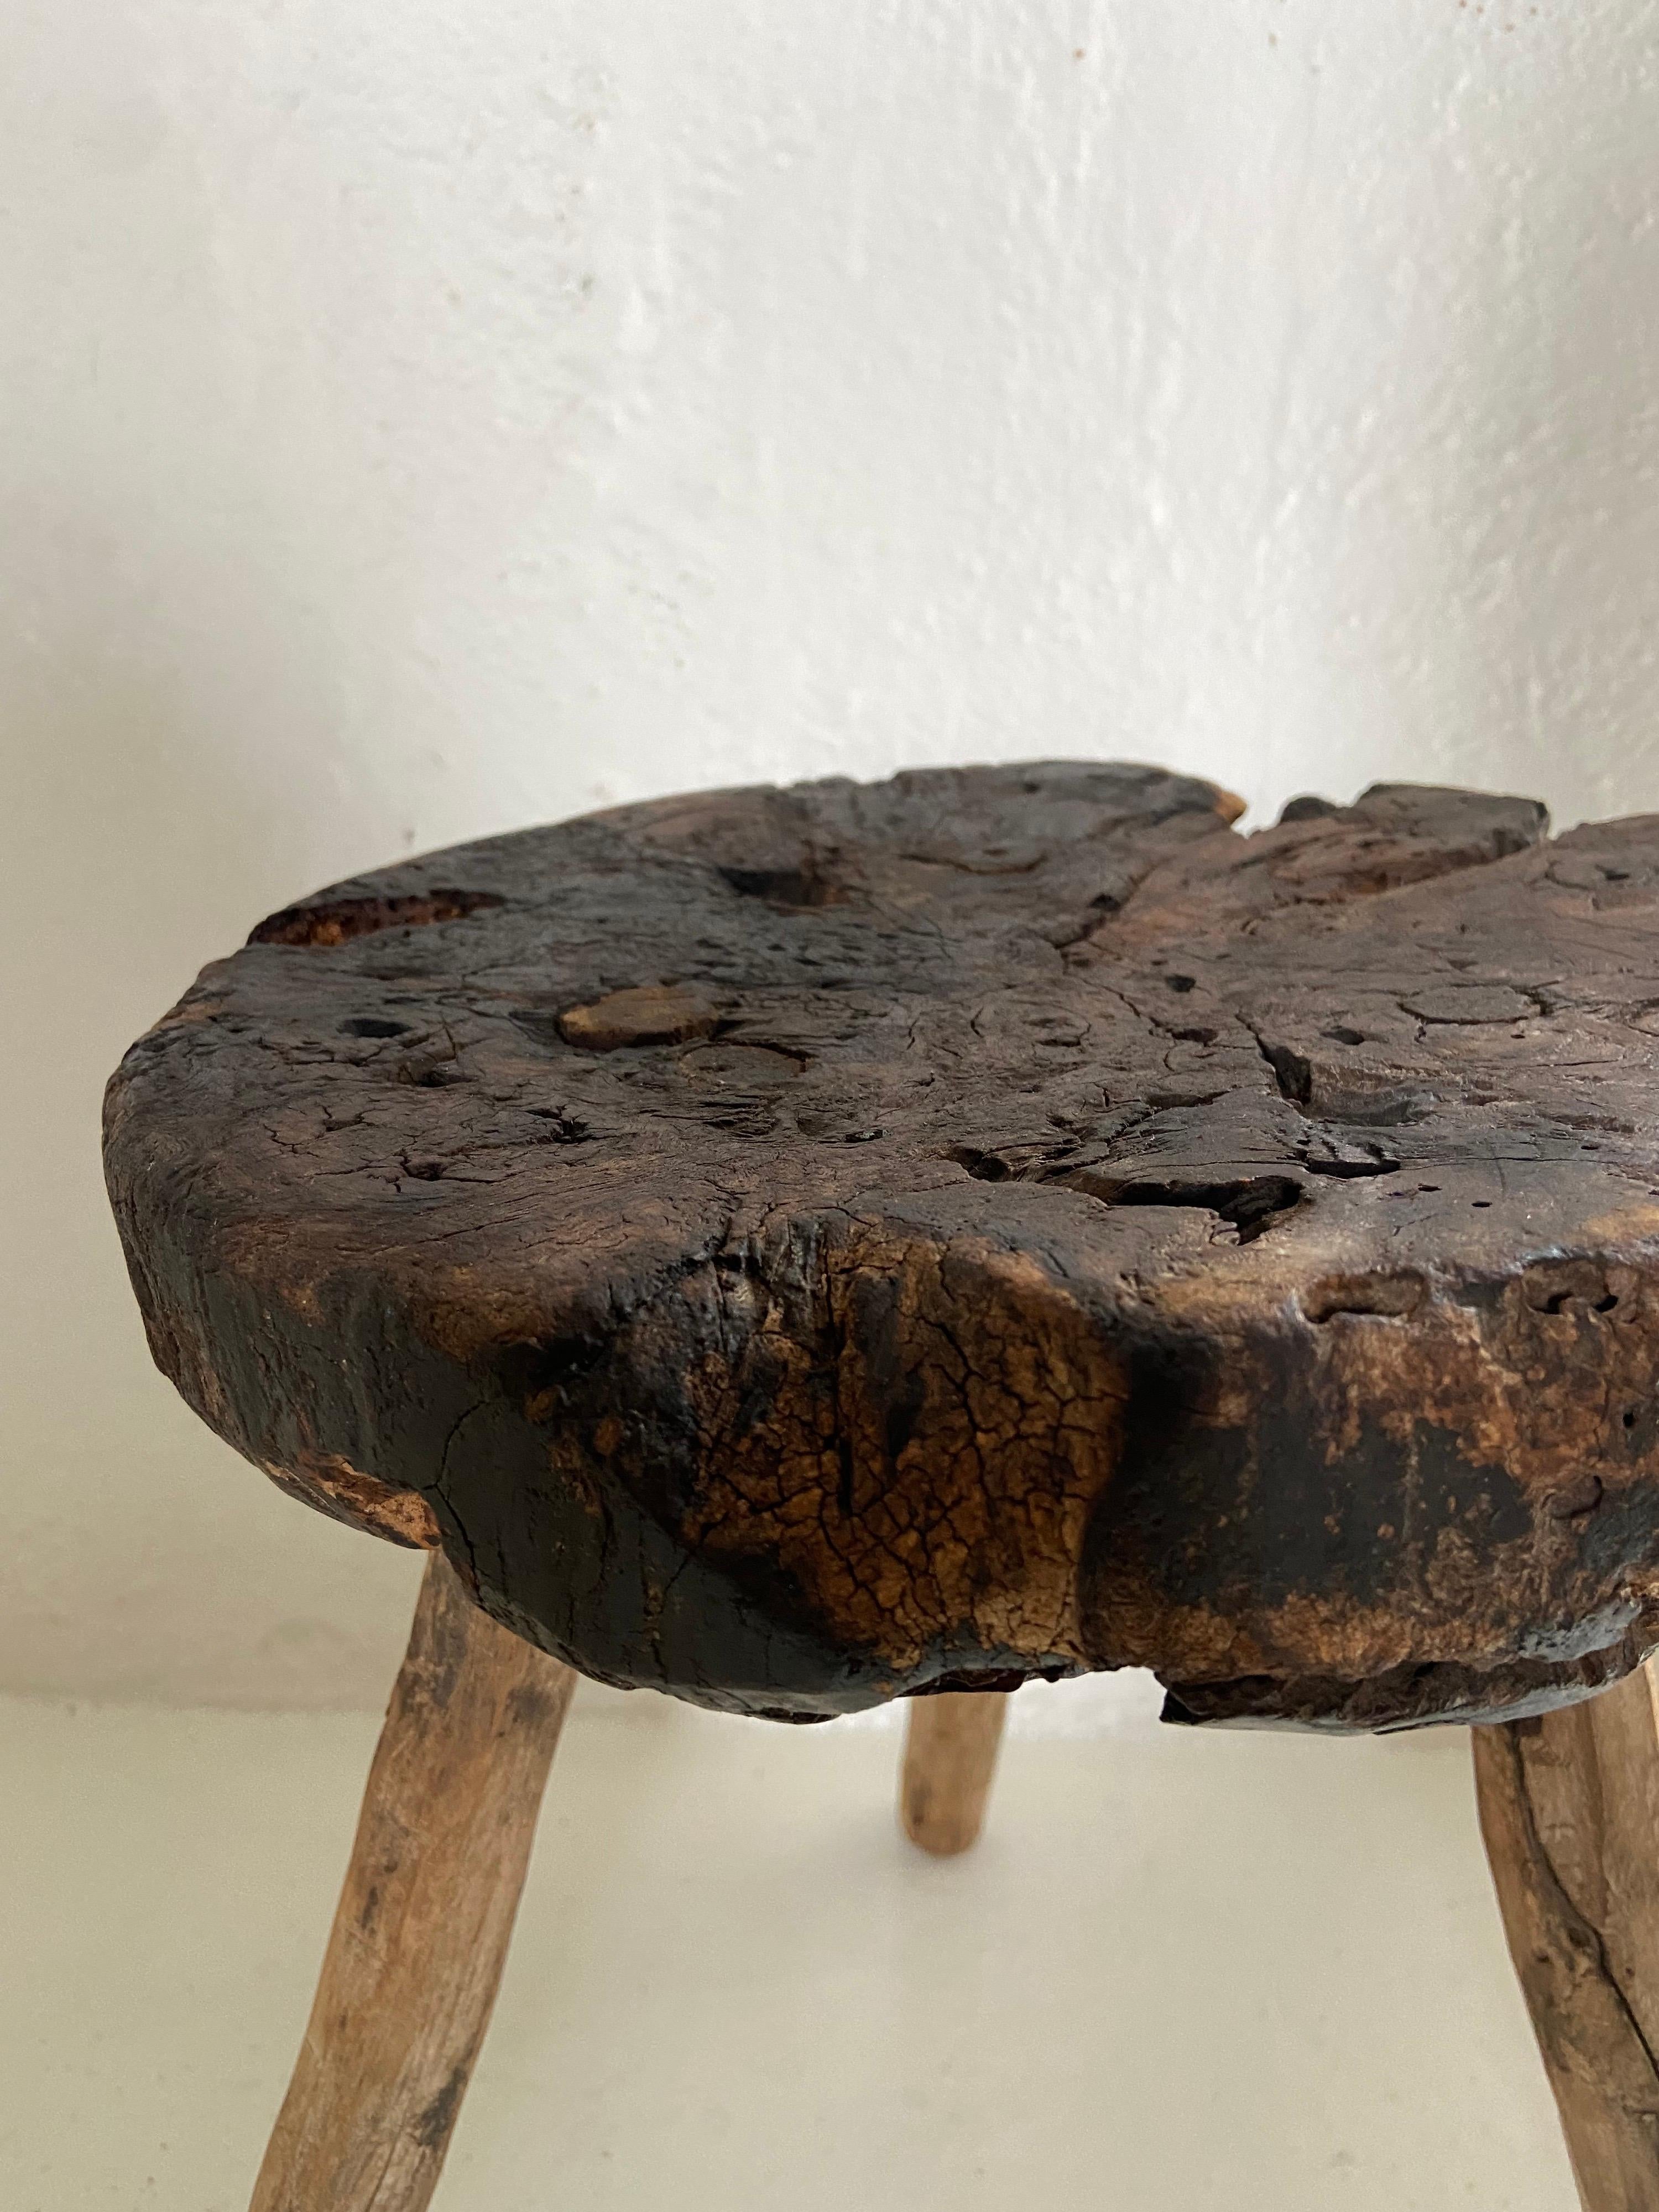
(563, 1128)
(372, 1025)
(986, 1167)
(337, 921)
(798, 889)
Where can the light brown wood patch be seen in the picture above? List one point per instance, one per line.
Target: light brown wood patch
(951, 1749)
(421, 1933)
(1570, 1811)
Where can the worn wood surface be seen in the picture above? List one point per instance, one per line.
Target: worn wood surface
(950, 1746)
(421, 1934)
(1570, 1810)
(799, 1246)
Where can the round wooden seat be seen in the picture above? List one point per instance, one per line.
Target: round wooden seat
(794, 1249)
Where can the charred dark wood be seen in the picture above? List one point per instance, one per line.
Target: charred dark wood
(790, 1248)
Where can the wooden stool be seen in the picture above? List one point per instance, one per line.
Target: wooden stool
(799, 1249)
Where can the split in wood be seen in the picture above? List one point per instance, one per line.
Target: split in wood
(1570, 1811)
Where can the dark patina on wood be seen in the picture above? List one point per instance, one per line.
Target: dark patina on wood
(795, 1248)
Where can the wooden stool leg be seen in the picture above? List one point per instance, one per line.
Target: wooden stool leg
(1570, 1811)
(421, 1933)
(949, 1755)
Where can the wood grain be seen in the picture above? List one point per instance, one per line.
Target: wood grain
(421, 1934)
(801, 1247)
(1570, 1811)
(951, 1745)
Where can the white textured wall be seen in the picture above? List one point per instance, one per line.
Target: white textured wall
(419, 420)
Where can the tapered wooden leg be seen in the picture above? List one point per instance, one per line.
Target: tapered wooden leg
(421, 1933)
(950, 1756)
(1570, 1810)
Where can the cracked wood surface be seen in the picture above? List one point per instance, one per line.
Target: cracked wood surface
(790, 1248)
